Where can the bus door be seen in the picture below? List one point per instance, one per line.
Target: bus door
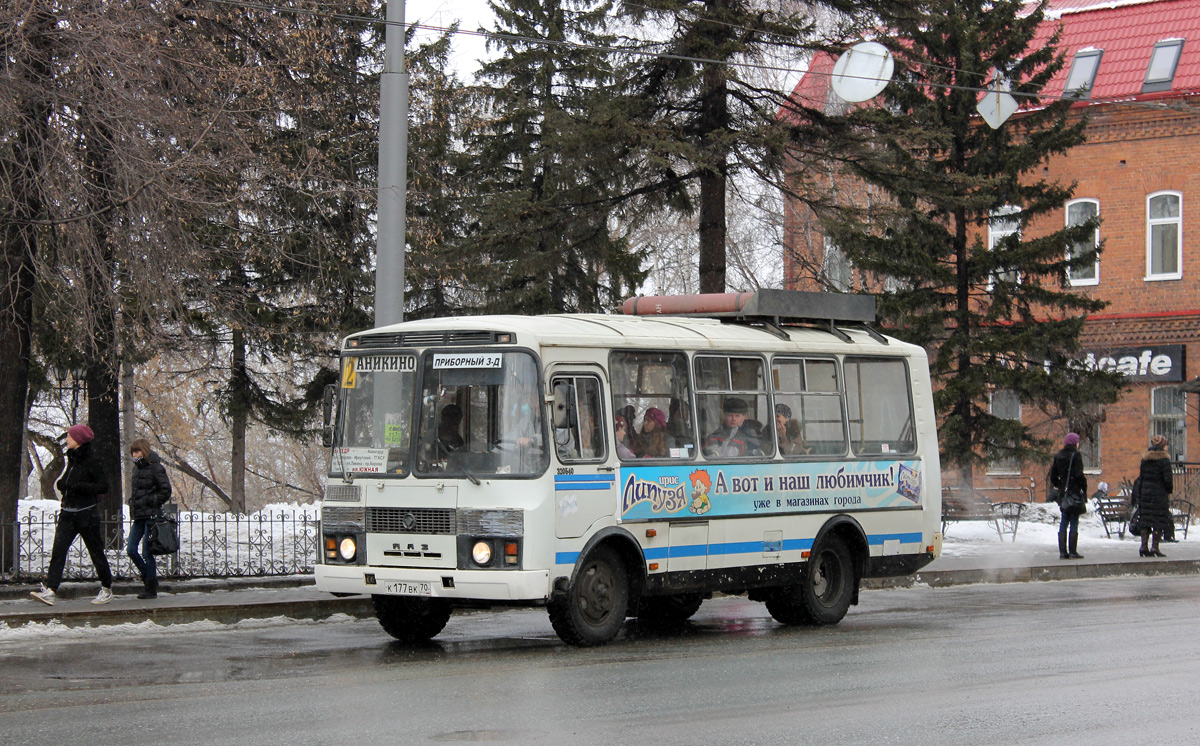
(585, 475)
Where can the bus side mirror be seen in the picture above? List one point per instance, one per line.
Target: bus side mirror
(327, 415)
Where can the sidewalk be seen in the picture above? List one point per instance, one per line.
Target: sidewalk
(972, 553)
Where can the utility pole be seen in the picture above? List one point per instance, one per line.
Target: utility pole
(393, 160)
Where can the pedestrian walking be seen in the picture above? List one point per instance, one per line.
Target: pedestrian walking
(1066, 474)
(1153, 496)
(79, 515)
(151, 490)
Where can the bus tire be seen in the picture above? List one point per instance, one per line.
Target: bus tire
(825, 591)
(593, 609)
(409, 619)
(668, 610)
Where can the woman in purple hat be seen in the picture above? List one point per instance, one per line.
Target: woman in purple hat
(653, 441)
(81, 487)
(1067, 475)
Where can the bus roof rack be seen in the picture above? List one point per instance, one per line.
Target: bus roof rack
(777, 306)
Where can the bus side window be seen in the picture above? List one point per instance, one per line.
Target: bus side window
(652, 386)
(808, 407)
(731, 395)
(578, 419)
(880, 406)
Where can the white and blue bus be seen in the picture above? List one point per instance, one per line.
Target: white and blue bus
(608, 466)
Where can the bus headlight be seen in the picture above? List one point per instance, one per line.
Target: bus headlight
(481, 553)
(348, 548)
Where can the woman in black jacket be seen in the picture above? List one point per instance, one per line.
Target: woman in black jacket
(81, 486)
(1154, 496)
(151, 490)
(1067, 475)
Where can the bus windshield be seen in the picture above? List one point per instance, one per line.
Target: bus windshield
(375, 418)
(481, 415)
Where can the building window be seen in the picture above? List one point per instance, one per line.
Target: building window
(1083, 73)
(1078, 212)
(837, 267)
(1005, 405)
(1164, 229)
(1163, 60)
(1168, 417)
(1005, 222)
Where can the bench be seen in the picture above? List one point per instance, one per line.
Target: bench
(1181, 513)
(1114, 514)
(968, 505)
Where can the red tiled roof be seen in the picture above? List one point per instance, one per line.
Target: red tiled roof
(1125, 29)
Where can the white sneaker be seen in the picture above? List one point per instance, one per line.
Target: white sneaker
(103, 597)
(45, 595)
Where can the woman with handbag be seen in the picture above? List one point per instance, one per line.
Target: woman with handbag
(1067, 476)
(151, 490)
(1154, 497)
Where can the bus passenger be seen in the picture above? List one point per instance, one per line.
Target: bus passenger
(734, 437)
(791, 440)
(622, 434)
(653, 441)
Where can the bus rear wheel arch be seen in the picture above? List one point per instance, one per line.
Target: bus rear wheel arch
(409, 619)
(592, 609)
(828, 585)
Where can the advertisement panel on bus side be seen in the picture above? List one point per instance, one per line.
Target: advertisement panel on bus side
(716, 490)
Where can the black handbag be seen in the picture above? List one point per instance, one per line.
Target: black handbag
(1135, 524)
(1073, 503)
(162, 536)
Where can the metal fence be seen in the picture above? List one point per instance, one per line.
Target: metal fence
(211, 545)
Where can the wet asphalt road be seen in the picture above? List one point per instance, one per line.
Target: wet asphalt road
(1113, 661)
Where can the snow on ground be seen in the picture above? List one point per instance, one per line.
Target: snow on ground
(56, 630)
(1037, 531)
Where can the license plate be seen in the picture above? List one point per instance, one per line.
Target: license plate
(405, 588)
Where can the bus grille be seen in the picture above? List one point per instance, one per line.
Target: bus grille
(342, 516)
(425, 339)
(346, 493)
(411, 521)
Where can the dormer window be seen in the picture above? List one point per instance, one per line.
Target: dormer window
(1160, 73)
(1083, 73)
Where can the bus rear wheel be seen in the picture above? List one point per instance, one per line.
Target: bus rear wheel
(668, 610)
(593, 609)
(410, 619)
(825, 591)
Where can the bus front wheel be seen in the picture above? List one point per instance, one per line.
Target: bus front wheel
(825, 591)
(593, 609)
(410, 619)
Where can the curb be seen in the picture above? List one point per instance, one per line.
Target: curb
(948, 578)
(223, 613)
(71, 589)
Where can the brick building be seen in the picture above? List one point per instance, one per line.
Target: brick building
(1135, 64)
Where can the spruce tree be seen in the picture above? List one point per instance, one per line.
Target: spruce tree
(546, 167)
(996, 318)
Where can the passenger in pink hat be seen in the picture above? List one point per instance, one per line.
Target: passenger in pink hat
(81, 487)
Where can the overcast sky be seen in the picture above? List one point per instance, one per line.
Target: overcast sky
(470, 14)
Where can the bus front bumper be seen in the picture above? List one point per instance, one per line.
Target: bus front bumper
(466, 585)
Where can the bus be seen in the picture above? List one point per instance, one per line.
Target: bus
(771, 444)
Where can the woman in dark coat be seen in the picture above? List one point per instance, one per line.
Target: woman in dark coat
(151, 490)
(1154, 496)
(81, 486)
(1067, 475)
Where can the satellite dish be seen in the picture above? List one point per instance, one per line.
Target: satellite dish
(997, 105)
(862, 72)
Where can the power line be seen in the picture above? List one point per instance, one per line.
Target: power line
(499, 36)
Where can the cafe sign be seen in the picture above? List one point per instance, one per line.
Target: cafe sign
(1140, 364)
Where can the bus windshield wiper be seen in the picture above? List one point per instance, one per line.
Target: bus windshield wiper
(450, 459)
